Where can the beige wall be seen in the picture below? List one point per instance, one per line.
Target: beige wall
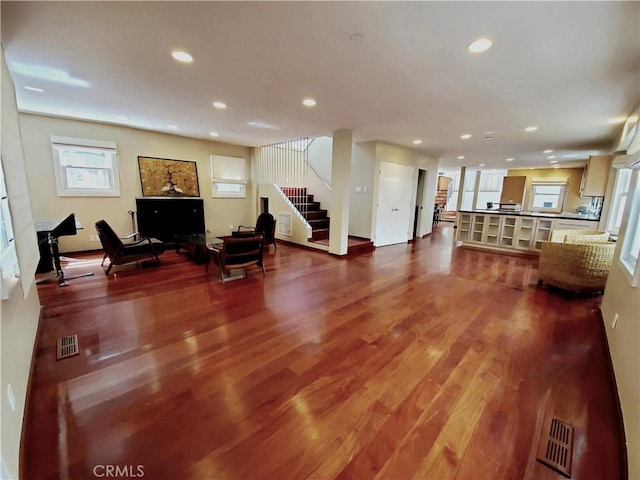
(363, 163)
(572, 199)
(386, 152)
(621, 299)
(18, 315)
(46, 204)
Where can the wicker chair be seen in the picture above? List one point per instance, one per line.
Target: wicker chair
(580, 267)
(579, 236)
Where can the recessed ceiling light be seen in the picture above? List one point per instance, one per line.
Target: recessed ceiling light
(531, 129)
(570, 155)
(417, 142)
(309, 102)
(551, 157)
(553, 161)
(182, 56)
(220, 105)
(480, 45)
(481, 165)
(465, 136)
(547, 151)
(556, 166)
(461, 157)
(616, 120)
(213, 134)
(509, 159)
(173, 127)
(33, 89)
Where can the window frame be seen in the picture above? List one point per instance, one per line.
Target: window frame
(620, 193)
(224, 175)
(9, 265)
(630, 259)
(58, 144)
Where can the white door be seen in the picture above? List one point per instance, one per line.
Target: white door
(394, 215)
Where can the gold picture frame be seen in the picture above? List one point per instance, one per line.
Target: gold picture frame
(163, 177)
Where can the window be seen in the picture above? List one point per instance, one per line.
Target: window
(85, 167)
(547, 195)
(619, 196)
(9, 268)
(228, 178)
(490, 187)
(631, 241)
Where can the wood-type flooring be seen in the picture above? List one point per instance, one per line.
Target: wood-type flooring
(420, 360)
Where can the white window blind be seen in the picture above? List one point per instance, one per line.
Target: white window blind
(84, 167)
(228, 177)
(547, 194)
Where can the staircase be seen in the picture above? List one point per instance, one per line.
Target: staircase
(310, 210)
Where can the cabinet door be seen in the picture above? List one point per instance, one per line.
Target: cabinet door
(542, 232)
(596, 173)
(491, 233)
(508, 231)
(566, 224)
(524, 233)
(477, 228)
(464, 227)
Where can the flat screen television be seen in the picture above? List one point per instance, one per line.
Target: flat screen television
(164, 218)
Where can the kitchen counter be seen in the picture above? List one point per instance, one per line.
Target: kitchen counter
(527, 213)
(519, 231)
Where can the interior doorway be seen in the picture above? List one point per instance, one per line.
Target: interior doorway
(421, 217)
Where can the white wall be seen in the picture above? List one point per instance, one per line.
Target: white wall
(131, 142)
(363, 164)
(386, 152)
(18, 315)
(319, 156)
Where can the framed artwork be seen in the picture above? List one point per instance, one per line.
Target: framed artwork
(162, 177)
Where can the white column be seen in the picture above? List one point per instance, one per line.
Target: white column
(340, 191)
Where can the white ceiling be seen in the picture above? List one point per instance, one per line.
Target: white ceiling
(566, 67)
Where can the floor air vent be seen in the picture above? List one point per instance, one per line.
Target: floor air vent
(67, 347)
(556, 446)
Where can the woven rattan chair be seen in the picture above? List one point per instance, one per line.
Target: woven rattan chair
(579, 267)
(579, 236)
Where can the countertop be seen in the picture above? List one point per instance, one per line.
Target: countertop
(527, 213)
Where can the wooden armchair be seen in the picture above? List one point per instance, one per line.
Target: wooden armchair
(120, 252)
(265, 224)
(236, 254)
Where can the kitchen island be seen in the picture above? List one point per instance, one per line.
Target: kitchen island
(519, 231)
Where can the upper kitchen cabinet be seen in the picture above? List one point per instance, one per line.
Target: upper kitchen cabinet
(596, 174)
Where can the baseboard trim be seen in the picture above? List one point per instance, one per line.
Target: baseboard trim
(624, 461)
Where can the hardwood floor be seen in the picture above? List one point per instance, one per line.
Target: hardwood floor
(414, 361)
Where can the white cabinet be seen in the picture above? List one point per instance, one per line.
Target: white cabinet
(542, 232)
(567, 224)
(491, 233)
(524, 232)
(477, 228)
(508, 231)
(464, 226)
